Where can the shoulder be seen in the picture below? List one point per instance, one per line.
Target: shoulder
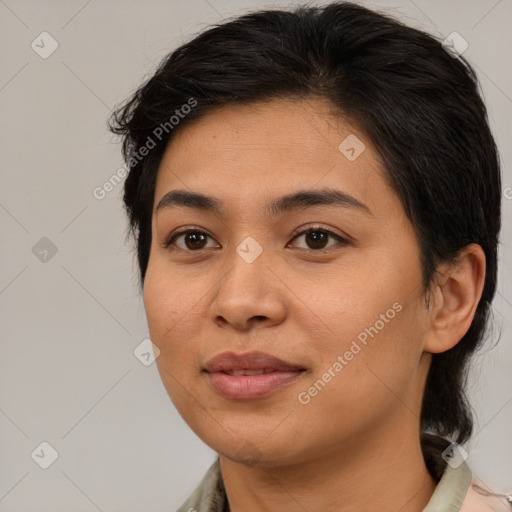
(458, 489)
(479, 498)
(209, 495)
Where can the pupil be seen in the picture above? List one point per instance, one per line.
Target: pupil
(194, 238)
(317, 239)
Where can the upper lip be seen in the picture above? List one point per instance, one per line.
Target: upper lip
(229, 361)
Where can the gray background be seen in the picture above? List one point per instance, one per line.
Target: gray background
(70, 321)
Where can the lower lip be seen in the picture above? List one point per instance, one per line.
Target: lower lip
(249, 387)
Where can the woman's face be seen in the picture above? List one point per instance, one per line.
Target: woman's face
(343, 306)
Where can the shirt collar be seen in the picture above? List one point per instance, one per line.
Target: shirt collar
(452, 487)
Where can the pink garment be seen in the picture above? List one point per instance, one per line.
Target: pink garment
(480, 499)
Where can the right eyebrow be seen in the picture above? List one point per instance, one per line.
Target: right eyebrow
(191, 200)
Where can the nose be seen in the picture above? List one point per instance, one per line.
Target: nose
(248, 295)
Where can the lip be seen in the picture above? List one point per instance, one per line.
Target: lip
(229, 361)
(278, 373)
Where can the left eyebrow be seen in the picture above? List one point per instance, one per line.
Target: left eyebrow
(303, 199)
(299, 200)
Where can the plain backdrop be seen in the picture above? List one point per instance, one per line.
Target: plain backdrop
(71, 313)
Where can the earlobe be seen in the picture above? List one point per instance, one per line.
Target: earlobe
(455, 297)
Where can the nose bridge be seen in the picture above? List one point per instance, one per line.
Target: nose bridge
(246, 267)
(243, 293)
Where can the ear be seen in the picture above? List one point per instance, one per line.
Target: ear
(455, 295)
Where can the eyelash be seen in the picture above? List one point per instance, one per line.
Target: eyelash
(295, 234)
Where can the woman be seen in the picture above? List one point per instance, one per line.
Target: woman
(315, 197)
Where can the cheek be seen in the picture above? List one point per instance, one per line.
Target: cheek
(169, 298)
(161, 311)
(350, 309)
(170, 315)
(374, 362)
(172, 310)
(370, 344)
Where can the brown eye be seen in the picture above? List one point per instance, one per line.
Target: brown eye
(190, 241)
(318, 239)
(195, 240)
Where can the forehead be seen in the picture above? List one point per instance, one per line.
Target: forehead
(246, 153)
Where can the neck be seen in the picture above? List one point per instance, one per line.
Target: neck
(371, 475)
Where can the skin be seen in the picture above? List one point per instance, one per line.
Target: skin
(355, 445)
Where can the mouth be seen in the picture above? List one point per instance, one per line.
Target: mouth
(238, 373)
(249, 376)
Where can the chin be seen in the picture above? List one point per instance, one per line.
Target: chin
(269, 453)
